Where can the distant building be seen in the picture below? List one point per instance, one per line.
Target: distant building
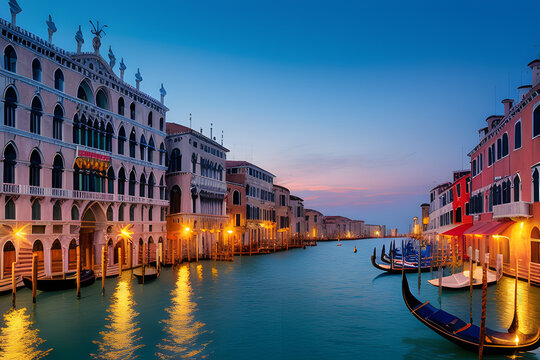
(425, 217)
(236, 211)
(283, 215)
(393, 232)
(298, 221)
(374, 230)
(314, 224)
(343, 228)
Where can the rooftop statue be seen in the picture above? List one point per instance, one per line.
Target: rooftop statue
(162, 91)
(97, 31)
(51, 28)
(79, 38)
(122, 65)
(14, 7)
(112, 58)
(138, 76)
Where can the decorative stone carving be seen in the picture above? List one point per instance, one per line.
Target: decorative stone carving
(51, 28)
(14, 8)
(122, 68)
(162, 92)
(138, 78)
(112, 58)
(80, 40)
(97, 31)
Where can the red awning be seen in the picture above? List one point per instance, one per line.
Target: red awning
(488, 228)
(458, 230)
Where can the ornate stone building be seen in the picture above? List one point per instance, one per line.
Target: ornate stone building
(83, 155)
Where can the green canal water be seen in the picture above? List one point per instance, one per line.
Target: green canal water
(324, 302)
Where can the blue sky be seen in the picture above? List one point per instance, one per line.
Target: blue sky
(359, 107)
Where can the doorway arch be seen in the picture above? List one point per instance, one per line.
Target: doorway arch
(9, 256)
(37, 248)
(56, 257)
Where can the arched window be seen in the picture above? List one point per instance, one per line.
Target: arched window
(10, 256)
(161, 124)
(76, 129)
(499, 148)
(143, 147)
(150, 211)
(96, 135)
(132, 213)
(10, 59)
(59, 80)
(121, 106)
(490, 156)
(236, 197)
(36, 70)
(121, 140)
(535, 245)
(536, 194)
(151, 148)
(161, 189)
(9, 164)
(36, 210)
(58, 121)
(176, 198)
(10, 104)
(132, 143)
(9, 209)
(101, 99)
(58, 169)
(110, 180)
(517, 185)
(161, 153)
(536, 121)
(121, 212)
(102, 136)
(35, 116)
(132, 183)
(132, 111)
(142, 186)
(151, 184)
(517, 135)
(175, 164)
(85, 93)
(74, 213)
(505, 144)
(108, 137)
(57, 211)
(150, 122)
(110, 213)
(121, 181)
(35, 168)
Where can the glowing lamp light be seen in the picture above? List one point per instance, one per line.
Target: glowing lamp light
(126, 232)
(230, 231)
(19, 232)
(187, 229)
(516, 340)
(521, 225)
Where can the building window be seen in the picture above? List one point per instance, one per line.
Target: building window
(151, 184)
(517, 185)
(35, 116)
(121, 140)
(536, 194)
(121, 212)
(10, 104)
(161, 124)
(36, 70)
(143, 147)
(58, 169)
(10, 59)
(236, 197)
(121, 106)
(132, 144)
(504, 144)
(132, 111)
(517, 135)
(499, 149)
(59, 80)
(110, 180)
(9, 209)
(101, 100)
(161, 152)
(151, 148)
(108, 137)
(458, 190)
(142, 186)
(57, 211)
(150, 122)
(110, 213)
(121, 181)
(9, 164)
(176, 199)
(536, 121)
(84, 92)
(58, 121)
(35, 168)
(132, 213)
(490, 156)
(132, 183)
(74, 213)
(175, 164)
(161, 189)
(36, 210)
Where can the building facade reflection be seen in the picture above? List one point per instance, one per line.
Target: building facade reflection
(121, 339)
(184, 333)
(18, 340)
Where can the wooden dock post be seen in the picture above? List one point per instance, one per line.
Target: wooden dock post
(34, 277)
(188, 249)
(13, 284)
(79, 271)
(119, 261)
(181, 251)
(173, 252)
(196, 250)
(483, 314)
(103, 268)
(142, 272)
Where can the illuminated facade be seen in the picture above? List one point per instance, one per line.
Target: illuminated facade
(283, 215)
(197, 224)
(314, 224)
(298, 221)
(339, 227)
(82, 156)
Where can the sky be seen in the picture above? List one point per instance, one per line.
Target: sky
(358, 107)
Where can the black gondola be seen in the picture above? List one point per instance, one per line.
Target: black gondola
(59, 283)
(393, 269)
(465, 334)
(150, 273)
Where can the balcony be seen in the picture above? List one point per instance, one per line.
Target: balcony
(209, 184)
(512, 210)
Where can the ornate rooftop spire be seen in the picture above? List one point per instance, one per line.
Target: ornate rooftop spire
(138, 78)
(163, 92)
(122, 68)
(14, 8)
(79, 38)
(112, 58)
(97, 31)
(51, 28)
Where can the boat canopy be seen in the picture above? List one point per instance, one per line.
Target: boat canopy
(457, 231)
(488, 228)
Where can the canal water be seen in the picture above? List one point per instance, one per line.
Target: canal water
(325, 302)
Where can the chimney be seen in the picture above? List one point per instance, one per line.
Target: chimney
(522, 91)
(535, 69)
(507, 106)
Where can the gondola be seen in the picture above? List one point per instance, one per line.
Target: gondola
(465, 334)
(395, 269)
(150, 273)
(461, 280)
(6, 287)
(55, 283)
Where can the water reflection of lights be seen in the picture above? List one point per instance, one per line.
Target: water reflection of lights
(120, 340)
(200, 272)
(17, 338)
(527, 310)
(184, 332)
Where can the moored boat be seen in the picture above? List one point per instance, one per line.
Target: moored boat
(54, 283)
(465, 334)
(393, 268)
(150, 273)
(462, 280)
(6, 287)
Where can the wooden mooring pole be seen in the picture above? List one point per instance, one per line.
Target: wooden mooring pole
(103, 268)
(13, 284)
(119, 261)
(483, 314)
(79, 271)
(34, 277)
